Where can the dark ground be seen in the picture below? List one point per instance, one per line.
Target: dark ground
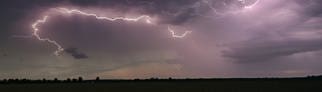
(168, 85)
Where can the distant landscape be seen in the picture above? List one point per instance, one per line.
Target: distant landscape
(298, 84)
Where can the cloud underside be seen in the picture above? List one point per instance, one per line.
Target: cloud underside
(274, 38)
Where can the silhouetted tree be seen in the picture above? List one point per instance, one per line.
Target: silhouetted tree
(74, 80)
(24, 80)
(44, 80)
(16, 80)
(97, 78)
(10, 80)
(68, 80)
(56, 80)
(152, 78)
(4, 80)
(170, 78)
(80, 79)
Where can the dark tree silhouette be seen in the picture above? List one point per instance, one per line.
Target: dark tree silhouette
(4, 80)
(44, 80)
(97, 78)
(68, 80)
(80, 79)
(56, 80)
(74, 80)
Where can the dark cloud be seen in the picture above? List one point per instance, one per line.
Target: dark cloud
(263, 50)
(174, 12)
(4, 54)
(296, 33)
(75, 53)
(310, 7)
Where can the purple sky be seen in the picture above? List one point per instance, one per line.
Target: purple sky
(273, 38)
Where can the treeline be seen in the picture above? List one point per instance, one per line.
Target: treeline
(44, 80)
(78, 80)
(98, 80)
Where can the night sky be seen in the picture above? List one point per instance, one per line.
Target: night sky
(229, 38)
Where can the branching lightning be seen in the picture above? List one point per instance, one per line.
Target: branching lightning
(36, 31)
(146, 18)
(178, 36)
(249, 6)
(243, 2)
(74, 11)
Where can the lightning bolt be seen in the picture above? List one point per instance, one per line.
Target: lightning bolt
(178, 36)
(36, 31)
(250, 6)
(213, 9)
(146, 17)
(44, 19)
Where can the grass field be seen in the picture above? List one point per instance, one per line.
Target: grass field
(197, 85)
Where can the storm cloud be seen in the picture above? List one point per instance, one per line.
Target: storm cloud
(284, 34)
(273, 38)
(75, 53)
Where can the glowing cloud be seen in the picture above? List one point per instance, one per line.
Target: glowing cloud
(250, 6)
(243, 2)
(36, 25)
(178, 36)
(36, 30)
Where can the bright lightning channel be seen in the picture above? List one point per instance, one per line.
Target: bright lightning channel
(146, 17)
(36, 31)
(249, 6)
(178, 36)
(213, 9)
(36, 25)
